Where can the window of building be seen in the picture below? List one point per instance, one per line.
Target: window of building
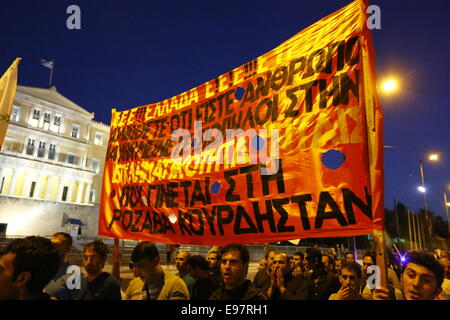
(52, 152)
(91, 195)
(64, 193)
(36, 114)
(98, 140)
(30, 147)
(41, 149)
(75, 131)
(15, 113)
(33, 186)
(71, 158)
(47, 117)
(94, 165)
(57, 121)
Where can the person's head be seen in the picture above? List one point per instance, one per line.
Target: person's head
(328, 262)
(94, 257)
(269, 257)
(198, 267)
(314, 258)
(297, 260)
(281, 261)
(350, 276)
(213, 259)
(338, 264)
(234, 266)
(349, 256)
(26, 267)
(332, 251)
(445, 263)
(63, 243)
(180, 261)
(368, 260)
(262, 264)
(443, 254)
(145, 258)
(422, 276)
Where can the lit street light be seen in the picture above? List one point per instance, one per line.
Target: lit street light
(433, 157)
(389, 86)
(421, 189)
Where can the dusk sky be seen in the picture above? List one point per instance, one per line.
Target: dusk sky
(131, 53)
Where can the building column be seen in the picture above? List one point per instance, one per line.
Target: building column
(88, 191)
(26, 185)
(60, 190)
(37, 189)
(79, 191)
(12, 184)
(48, 191)
(70, 191)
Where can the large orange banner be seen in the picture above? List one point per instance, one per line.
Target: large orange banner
(244, 157)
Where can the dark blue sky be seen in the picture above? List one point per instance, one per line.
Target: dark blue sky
(130, 53)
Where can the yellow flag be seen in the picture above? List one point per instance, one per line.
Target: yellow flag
(8, 84)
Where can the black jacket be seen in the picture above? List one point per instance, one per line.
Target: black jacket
(322, 286)
(245, 292)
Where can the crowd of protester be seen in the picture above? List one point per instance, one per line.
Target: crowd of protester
(37, 268)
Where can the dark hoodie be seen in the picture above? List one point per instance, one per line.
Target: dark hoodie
(244, 292)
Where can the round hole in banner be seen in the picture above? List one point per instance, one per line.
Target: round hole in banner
(257, 143)
(172, 218)
(215, 188)
(333, 159)
(239, 93)
(194, 142)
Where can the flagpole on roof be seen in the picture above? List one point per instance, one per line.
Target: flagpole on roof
(51, 73)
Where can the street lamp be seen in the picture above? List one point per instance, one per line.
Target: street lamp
(447, 205)
(431, 157)
(389, 85)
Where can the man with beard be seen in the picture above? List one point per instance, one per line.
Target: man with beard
(97, 285)
(283, 285)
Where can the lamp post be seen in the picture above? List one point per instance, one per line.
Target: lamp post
(431, 157)
(425, 201)
(446, 205)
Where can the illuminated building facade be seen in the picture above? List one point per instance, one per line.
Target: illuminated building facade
(53, 154)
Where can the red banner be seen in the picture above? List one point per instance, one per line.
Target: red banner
(244, 157)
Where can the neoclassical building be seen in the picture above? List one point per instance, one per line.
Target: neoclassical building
(53, 151)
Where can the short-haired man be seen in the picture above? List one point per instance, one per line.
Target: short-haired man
(205, 282)
(262, 277)
(180, 263)
(97, 285)
(338, 265)
(322, 283)
(57, 287)
(262, 264)
(234, 267)
(26, 267)
(350, 278)
(445, 293)
(328, 263)
(297, 264)
(283, 285)
(214, 259)
(421, 278)
(158, 284)
(349, 256)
